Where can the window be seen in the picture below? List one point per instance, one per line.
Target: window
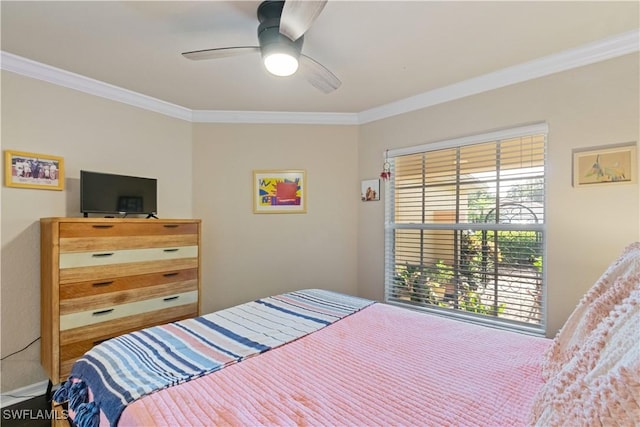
(464, 228)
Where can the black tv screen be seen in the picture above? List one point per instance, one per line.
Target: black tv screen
(105, 193)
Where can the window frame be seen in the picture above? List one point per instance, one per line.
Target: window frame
(390, 227)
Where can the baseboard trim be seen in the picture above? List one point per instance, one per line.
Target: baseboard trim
(23, 393)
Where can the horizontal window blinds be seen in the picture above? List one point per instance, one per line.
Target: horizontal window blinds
(465, 230)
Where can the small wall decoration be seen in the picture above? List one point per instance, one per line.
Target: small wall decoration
(370, 190)
(279, 191)
(604, 165)
(32, 170)
(386, 167)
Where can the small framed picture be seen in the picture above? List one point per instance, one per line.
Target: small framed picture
(370, 190)
(279, 191)
(613, 164)
(33, 170)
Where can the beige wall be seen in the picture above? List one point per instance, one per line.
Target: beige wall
(205, 171)
(249, 255)
(90, 133)
(587, 228)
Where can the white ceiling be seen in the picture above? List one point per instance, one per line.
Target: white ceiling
(383, 51)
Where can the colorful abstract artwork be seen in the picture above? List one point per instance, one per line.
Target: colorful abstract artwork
(279, 191)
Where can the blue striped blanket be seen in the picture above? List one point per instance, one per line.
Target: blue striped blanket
(123, 369)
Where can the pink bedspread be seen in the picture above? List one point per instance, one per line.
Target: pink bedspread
(381, 366)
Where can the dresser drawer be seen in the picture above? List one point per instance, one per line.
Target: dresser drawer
(108, 272)
(134, 282)
(129, 228)
(87, 259)
(98, 332)
(90, 317)
(117, 298)
(87, 244)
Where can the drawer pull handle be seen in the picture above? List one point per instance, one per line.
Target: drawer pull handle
(170, 274)
(171, 225)
(102, 226)
(102, 284)
(171, 298)
(102, 312)
(102, 255)
(172, 250)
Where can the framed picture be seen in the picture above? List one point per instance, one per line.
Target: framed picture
(32, 170)
(613, 164)
(370, 190)
(279, 191)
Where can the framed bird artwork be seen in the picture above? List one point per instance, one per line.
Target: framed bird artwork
(612, 164)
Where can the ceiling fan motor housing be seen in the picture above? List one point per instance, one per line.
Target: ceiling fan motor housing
(269, 37)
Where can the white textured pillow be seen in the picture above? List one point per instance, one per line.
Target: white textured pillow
(600, 385)
(610, 289)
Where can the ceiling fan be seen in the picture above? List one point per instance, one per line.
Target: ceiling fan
(280, 36)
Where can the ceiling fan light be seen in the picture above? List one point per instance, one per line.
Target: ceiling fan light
(281, 64)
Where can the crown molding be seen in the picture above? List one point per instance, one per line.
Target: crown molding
(37, 70)
(602, 50)
(274, 117)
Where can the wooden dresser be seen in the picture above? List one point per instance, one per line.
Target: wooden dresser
(102, 277)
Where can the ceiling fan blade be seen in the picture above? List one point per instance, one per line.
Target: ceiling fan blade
(318, 75)
(298, 16)
(222, 52)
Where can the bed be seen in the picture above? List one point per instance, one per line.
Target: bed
(316, 357)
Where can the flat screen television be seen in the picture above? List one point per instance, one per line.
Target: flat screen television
(105, 193)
